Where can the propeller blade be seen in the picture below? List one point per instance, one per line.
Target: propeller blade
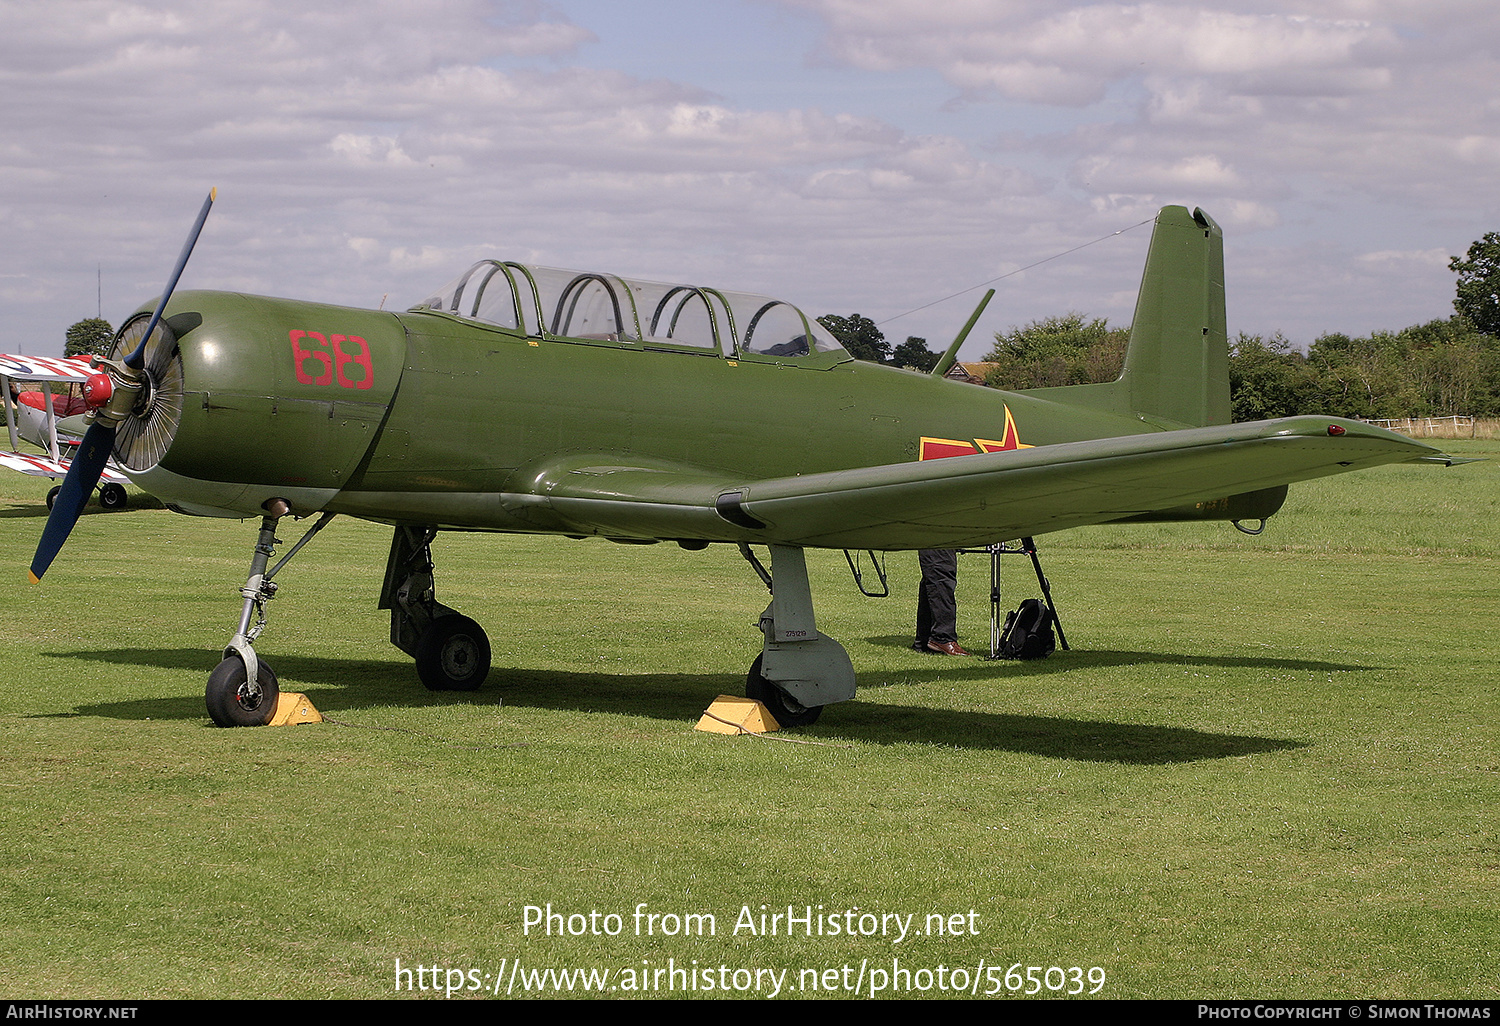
(83, 474)
(99, 441)
(137, 358)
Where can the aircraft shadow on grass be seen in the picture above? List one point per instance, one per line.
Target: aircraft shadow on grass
(682, 697)
(1063, 662)
(36, 511)
(39, 511)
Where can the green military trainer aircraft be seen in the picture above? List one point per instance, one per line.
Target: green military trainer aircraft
(529, 399)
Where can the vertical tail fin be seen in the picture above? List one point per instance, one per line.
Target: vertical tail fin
(1177, 364)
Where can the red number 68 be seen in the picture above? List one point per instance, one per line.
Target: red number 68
(331, 358)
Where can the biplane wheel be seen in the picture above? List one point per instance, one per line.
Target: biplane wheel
(453, 654)
(112, 496)
(788, 711)
(52, 496)
(231, 705)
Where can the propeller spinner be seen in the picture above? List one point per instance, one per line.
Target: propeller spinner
(126, 383)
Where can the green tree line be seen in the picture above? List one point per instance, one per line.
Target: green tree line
(1437, 369)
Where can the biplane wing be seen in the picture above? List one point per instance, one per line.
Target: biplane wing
(32, 415)
(36, 415)
(43, 466)
(44, 368)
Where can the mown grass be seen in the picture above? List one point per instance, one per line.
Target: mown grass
(1268, 768)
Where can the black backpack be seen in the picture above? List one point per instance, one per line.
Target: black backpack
(1028, 632)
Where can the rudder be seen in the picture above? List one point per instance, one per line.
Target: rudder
(1177, 362)
(1176, 371)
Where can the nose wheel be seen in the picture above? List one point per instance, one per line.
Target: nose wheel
(113, 496)
(242, 690)
(234, 702)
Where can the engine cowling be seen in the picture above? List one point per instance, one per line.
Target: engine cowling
(249, 398)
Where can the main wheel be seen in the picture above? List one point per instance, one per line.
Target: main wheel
(230, 702)
(453, 654)
(788, 711)
(52, 496)
(112, 496)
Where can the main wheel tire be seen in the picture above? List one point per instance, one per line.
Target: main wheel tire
(453, 654)
(112, 496)
(788, 711)
(52, 496)
(230, 702)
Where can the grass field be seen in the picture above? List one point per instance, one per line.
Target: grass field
(1269, 768)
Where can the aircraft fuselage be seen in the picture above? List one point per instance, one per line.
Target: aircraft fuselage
(425, 417)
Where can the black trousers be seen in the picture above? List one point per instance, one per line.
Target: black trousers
(937, 604)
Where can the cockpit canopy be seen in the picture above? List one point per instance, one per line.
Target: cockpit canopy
(547, 302)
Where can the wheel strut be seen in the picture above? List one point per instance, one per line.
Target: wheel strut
(242, 690)
(800, 669)
(451, 651)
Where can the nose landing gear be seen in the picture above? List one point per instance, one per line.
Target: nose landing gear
(242, 689)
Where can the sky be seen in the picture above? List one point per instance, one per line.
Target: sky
(882, 157)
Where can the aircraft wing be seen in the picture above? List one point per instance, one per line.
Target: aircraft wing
(37, 423)
(42, 466)
(961, 501)
(44, 368)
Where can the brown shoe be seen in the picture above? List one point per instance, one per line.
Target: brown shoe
(945, 648)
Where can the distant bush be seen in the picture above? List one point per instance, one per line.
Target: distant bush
(1439, 369)
(1064, 350)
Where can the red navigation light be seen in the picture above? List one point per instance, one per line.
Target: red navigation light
(1335, 430)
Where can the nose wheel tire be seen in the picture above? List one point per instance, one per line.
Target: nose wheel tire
(453, 654)
(230, 702)
(788, 711)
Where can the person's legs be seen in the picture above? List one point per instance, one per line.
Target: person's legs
(940, 584)
(937, 603)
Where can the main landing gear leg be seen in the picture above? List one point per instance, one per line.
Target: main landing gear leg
(799, 670)
(451, 650)
(242, 689)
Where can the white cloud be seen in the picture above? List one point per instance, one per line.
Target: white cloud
(1372, 94)
(1035, 52)
(378, 148)
(1395, 259)
(1199, 173)
(369, 149)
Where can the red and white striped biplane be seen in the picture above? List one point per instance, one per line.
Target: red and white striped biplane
(39, 416)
